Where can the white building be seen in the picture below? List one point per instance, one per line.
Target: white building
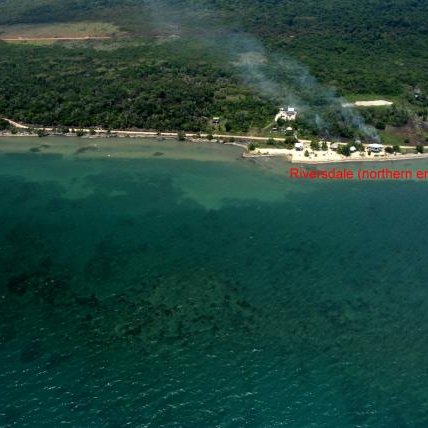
(289, 114)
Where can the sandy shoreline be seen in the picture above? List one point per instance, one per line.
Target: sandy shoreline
(289, 155)
(331, 156)
(306, 156)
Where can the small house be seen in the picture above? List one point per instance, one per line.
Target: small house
(352, 149)
(216, 120)
(299, 146)
(334, 146)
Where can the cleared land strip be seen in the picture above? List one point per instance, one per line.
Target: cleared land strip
(41, 39)
(374, 103)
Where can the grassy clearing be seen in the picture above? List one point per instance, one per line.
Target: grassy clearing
(391, 139)
(61, 30)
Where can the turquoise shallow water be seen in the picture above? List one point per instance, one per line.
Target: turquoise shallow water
(168, 290)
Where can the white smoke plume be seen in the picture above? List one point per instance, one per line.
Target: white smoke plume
(276, 76)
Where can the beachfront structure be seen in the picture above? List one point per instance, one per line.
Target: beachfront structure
(299, 146)
(375, 147)
(286, 114)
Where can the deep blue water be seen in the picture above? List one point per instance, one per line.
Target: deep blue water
(158, 292)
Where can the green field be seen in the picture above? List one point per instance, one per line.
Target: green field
(72, 29)
(391, 139)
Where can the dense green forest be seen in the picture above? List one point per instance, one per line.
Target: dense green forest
(55, 85)
(370, 48)
(360, 47)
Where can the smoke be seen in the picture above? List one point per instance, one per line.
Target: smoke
(276, 76)
(290, 83)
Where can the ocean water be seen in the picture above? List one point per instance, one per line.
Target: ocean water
(162, 284)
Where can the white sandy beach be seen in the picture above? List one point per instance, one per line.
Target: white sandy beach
(331, 156)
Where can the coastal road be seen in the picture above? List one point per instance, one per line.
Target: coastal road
(151, 133)
(241, 138)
